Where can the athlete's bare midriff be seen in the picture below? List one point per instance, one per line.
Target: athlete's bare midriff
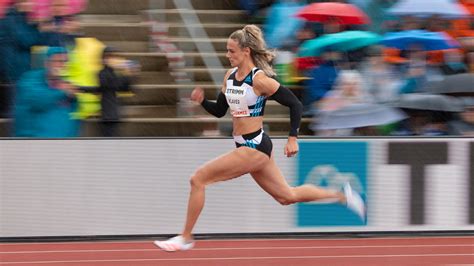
(246, 125)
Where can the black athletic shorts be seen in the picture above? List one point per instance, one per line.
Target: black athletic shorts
(257, 140)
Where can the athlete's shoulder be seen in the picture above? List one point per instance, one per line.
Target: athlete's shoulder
(230, 72)
(227, 76)
(265, 84)
(260, 77)
(258, 71)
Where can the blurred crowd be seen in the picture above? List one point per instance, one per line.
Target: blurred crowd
(53, 77)
(362, 67)
(377, 67)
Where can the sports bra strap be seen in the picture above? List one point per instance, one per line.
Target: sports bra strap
(255, 70)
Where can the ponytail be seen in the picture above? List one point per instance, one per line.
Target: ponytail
(252, 37)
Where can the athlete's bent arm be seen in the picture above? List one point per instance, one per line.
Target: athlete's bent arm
(284, 96)
(218, 108)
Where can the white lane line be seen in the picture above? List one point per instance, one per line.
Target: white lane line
(236, 248)
(243, 258)
(248, 240)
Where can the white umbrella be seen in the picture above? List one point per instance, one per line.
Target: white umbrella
(358, 115)
(424, 8)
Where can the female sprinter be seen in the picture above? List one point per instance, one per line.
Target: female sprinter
(245, 90)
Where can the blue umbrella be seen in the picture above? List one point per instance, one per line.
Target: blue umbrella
(424, 8)
(429, 41)
(341, 41)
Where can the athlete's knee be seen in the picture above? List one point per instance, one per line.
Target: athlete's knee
(197, 179)
(287, 199)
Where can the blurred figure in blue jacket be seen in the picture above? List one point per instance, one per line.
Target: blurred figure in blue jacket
(252, 7)
(322, 79)
(18, 33)
(45, 101)
(282, 25)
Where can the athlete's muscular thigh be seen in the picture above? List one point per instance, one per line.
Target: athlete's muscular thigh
(271, 179)
(231, 165)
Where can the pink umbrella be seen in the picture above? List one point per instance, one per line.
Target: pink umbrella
(41, 10)
(76, 6)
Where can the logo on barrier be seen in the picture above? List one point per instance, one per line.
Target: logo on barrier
(330, 165)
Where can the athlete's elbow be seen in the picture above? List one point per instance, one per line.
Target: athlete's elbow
(217, 114)
(297, 107)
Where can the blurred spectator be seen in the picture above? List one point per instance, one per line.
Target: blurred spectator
(352, 59)
(281, 24)
(413, 125)
(426, 123)
(84, 64)
(254, 6)
(411, 23)
(18, 33)
(367, 131)
(21, 34)
(437, 24)
(45, 102)
(4, 97)
(453, 62)
(62, 26)
(464, 126)
(377, 11)
(62, 31)
(437, 124)
(393, 57)
(307, 32)
(347, 90)
(418, 71)
(321, 80)
(115, 77)
(470, 62)
(380, 79)
(333, 25)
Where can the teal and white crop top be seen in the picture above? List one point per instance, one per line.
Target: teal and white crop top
(241, 97)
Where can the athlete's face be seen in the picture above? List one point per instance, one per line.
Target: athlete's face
(235, 54)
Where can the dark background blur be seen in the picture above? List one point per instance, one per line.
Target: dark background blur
(393, 68)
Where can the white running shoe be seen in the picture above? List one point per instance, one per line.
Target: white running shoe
(176, 243)
(354, 201)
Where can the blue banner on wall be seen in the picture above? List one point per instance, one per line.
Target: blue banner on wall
(330, 165)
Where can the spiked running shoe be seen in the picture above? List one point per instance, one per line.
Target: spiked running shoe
(354, 201)
(176, 243)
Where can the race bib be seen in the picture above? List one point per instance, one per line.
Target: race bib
(236, 99)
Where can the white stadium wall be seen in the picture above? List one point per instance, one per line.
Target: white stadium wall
(140, 186)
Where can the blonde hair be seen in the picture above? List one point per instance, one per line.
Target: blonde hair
(252, 37)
